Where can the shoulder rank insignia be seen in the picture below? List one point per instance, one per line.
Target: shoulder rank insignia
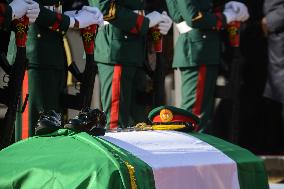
(199, 16)
(111, 12)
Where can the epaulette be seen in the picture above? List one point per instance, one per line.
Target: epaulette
(111, 12)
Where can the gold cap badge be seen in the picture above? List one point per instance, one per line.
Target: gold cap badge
(166, 115)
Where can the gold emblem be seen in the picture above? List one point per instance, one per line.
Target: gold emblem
(166, 115)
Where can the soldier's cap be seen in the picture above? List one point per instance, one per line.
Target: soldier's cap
(172, 116)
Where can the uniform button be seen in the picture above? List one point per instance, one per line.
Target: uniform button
(125, 37)
(63, 33)
(38, 35)
(204, 36)
(57, 30)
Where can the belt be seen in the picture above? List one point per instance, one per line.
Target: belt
(183, 27)
(139, 12)
(55, 8)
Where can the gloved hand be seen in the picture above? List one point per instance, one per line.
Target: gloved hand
(33, 12)
(87, 18)
(239, 8)
(70, 13)
(97, 12)
(166, 23)
(230, 15)
(155, 18)
(19, 8)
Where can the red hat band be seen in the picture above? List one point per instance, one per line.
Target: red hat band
(175, 118)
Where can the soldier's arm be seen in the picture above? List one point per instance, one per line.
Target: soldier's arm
(52, 20)
(172, 5)
(5, 16)
(197, 18)
(121, 17)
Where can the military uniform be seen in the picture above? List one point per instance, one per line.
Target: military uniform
(46, 66)
(197, 53)
(120, 54)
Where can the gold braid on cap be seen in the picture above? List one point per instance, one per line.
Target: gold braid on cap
(187, 126)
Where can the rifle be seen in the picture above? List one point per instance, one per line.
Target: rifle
(231, 91)
(159, 81)
(87, 78)
(16, 74)
(157, 75)
(235, 78)
(6, 67)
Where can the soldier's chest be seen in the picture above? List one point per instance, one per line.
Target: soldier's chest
(205, 4)
(52, 2)
(133, 4)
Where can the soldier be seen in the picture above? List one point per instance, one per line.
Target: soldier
(197, 51)
(8, 12)
(17, 9)
(120, 54)
(45, 52)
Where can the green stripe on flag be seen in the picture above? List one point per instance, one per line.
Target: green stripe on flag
(250, 167)
(65, 159)
(140, 173)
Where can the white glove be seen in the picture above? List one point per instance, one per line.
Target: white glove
(70, 13)
(239, 8)
(19, 8)
(87, 18)
(155, 18)
(230, 15)
(97, 12)
(166, 23)
(33, 12)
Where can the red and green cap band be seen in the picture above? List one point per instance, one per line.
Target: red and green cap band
(171, 114)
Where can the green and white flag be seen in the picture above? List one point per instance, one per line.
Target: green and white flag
(195, 161)
(130, 160)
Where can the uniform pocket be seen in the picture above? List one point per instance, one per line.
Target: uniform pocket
(127, 48)
(204, 47)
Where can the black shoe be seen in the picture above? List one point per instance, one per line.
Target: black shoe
(91, 121)
(48, 122)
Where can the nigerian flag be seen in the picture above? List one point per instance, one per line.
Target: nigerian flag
(130, 160)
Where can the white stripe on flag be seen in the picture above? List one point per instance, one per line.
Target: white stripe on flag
(179, 160)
